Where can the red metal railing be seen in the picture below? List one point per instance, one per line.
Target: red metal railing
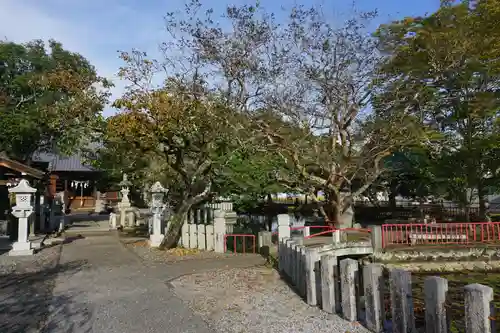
(440, 233)
(329, 230)
(244, 243)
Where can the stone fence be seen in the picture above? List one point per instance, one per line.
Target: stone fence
(204, 229)
(359, 293)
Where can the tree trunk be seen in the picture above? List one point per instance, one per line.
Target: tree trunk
(338, 211)
(482, 201)
(392, 196)
(176, 221)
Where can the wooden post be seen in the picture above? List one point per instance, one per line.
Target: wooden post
(53, 185)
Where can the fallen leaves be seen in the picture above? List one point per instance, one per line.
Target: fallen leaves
(180, 251)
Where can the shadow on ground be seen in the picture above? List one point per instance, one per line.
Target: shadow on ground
(26, 299)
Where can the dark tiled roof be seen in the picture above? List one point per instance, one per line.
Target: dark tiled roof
(63, 163)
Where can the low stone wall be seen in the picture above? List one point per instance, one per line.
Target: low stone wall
(438, 254)
(441, 260)
(336, 286)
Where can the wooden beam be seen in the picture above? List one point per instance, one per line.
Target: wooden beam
(20, 167)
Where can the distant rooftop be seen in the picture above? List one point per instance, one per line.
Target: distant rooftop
(63, 163)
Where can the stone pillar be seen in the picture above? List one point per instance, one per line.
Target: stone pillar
(306, 232)
(231, 219)
(478, 300)
(295, 262)
(336, 236)
(156, 237)
(328, 283)
(22, 210)
(300, 270)
(403, 319)
(376, 236)
(348, 280)
(435, 289)
(265, 242)
(113, 223)
(283, 226)
(290, 258)
(219, 231)
(373, 285)
(99, 203)
(62, 223)
(311, 288)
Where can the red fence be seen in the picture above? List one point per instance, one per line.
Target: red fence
(239, 243)
(440, 233)
(320, 230)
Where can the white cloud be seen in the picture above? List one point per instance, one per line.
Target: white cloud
(96, 29)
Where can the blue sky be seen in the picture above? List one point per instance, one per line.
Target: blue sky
(99, 28)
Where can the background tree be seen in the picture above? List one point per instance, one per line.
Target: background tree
(49, 99)
(451, 59)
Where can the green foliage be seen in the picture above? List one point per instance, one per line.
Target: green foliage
(49, 99)
(445, 69)
(250, 176)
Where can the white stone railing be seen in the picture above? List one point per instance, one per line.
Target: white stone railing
(319, 277)
(206, 233)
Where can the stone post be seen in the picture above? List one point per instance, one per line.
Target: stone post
(157, 192)
(306, 232)
(403, 319)
(295, 262)
(328, 283)
(62, 222)
(290, 264)
(283, 226)
(301, 270)
(113, 223)
(231, 219)
(311, 288)
(336, 237)
(22, 210)
(265, 242)
(219, 231)
(373, 285)
(478, 300)
(348, 280)
(435, 289)
(376, 236)
(99, 203)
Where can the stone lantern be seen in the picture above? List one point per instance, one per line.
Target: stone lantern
(22, 210)
(125, 184)
(124, 205)
(158, 193)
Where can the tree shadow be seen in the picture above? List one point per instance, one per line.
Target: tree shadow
(27, 302)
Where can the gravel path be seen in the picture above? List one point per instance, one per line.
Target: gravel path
(26, 285)
(254, 300)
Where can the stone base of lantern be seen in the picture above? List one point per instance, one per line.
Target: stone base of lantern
(155, 240)
(21, 249)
